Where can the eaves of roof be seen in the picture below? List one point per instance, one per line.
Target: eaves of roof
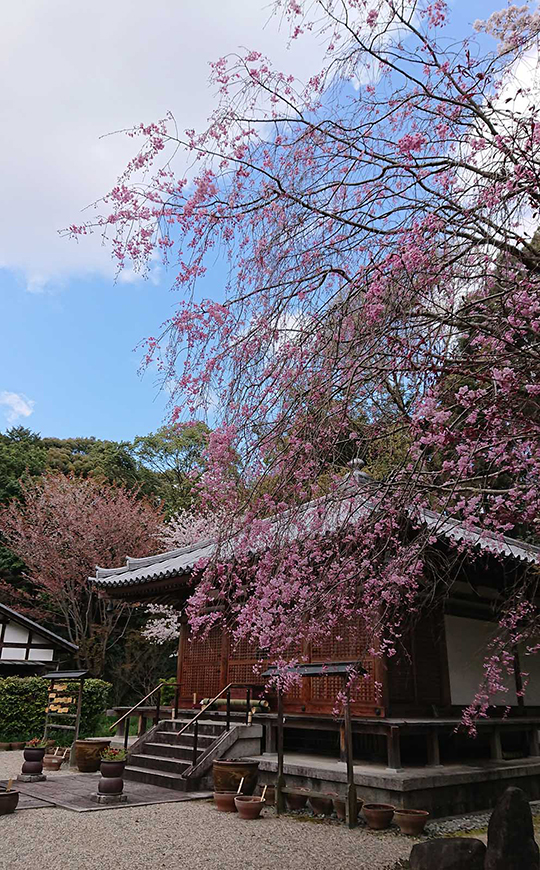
(176, 563)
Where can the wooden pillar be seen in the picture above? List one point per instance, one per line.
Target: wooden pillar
(342, 742)
(280, 782)
(380, 676)
(534, 746)
(182, 641)
(495, 744)
(270, 741)
(519, 682)
(351, 811)
(393, 748)
(433, 753)
(224, 662)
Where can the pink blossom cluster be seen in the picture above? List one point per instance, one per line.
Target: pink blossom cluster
(382, 304)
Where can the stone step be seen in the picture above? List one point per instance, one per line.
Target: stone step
(205, 727)
(156, 777)
(185, 739)
(157, 762)
(203, 740)
(171, 750)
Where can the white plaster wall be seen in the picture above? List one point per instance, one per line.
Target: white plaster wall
(531, 665)
(13, 653)
(15, 633)
(466, 642)
(41, 655)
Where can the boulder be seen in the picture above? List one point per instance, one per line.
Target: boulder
(450, 853)
(511, 844)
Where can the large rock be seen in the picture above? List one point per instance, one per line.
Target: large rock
(511, 844)
(451, 853)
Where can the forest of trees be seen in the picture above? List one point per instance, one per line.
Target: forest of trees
(69, 504)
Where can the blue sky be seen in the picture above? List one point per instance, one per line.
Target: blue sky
(67, 329)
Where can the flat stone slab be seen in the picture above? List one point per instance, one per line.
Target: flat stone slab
(74, 792)
(31, 777)
(108, 798)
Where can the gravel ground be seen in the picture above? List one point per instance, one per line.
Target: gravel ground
(192, 835)
(197, 837)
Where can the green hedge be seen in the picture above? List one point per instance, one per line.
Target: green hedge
(23, 701)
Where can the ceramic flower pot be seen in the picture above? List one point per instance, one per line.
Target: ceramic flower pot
(322, 806)
(33, 761)
(378, 816)
(18, 745)
(52, 762)
(33, 754)
(228, 773)
(411, 822)
(4, 747)
(340, 807)
(249, 808)
(88, 753)
(224, 801)
(8, 801)
(270, 796)
(296, 801)
(112, 777)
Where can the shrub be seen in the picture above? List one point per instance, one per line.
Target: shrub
(23, 701)
(168, 688)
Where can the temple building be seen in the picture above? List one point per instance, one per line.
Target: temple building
(408, 746)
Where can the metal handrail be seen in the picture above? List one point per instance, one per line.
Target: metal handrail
(195, 721)
(129, 712)
(203, 709)
(226, 689)
(139, 704)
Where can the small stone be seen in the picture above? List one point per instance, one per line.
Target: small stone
(511, 844)
(453, 853)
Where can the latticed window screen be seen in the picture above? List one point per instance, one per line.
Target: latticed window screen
(201, 669)
(348, 645)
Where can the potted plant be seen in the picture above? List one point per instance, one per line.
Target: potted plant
(33, 756)
(113, 762)
(411, 822)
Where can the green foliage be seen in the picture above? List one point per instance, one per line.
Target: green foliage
(171, 456)
(168, 690)
(23, 701)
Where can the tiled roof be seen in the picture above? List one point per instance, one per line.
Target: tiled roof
(350, 508)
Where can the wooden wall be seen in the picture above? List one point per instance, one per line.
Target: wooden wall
(207, 666)
(417, 677)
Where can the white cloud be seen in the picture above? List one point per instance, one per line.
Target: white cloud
(73, 72)
(17, 405)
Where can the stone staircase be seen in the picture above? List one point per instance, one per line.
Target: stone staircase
(161, 758)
